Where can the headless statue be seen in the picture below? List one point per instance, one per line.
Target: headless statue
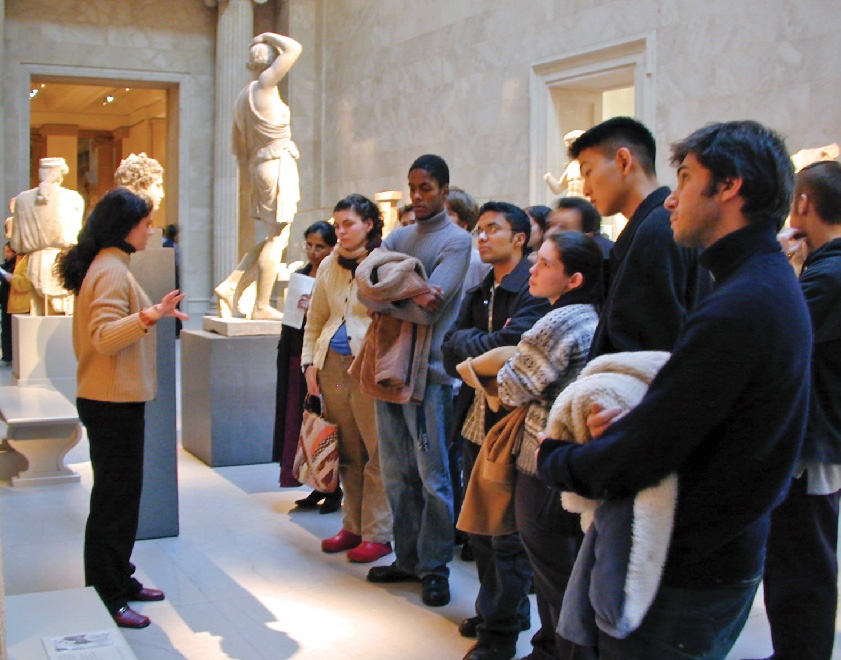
(264, 149)
(570, 183)
(45, 220)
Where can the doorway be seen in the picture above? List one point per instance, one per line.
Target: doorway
(93, 124)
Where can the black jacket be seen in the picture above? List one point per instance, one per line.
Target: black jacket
(653, 284)
(515, 310)
(821, 284)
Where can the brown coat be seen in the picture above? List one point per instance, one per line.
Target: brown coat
(488, 506)
(392, 363)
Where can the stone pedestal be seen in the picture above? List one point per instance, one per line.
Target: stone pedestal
(235, 327)
(154, 269)
(43, 352)
(228, 397)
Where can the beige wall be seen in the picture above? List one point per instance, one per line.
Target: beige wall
(142, 40)
(452, 77)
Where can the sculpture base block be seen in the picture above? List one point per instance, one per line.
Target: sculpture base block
(43, 352)
(233, 327)
(228, 397)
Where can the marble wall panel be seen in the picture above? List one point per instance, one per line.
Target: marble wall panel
(403, 79)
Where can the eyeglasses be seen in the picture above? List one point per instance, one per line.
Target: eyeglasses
(490, 231)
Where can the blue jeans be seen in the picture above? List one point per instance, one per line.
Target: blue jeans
(416, 472)
(686, 623)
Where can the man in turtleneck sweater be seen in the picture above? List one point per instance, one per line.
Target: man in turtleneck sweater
(726, 413)
(413, 437)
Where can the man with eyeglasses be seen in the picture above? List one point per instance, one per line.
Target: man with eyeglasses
(494, 313)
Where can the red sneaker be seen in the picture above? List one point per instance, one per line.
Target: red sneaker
(344, 540)
(367, 552)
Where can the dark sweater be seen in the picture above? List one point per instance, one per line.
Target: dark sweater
(652, 284)
(515, 310)
(727, 413)
(821, 284)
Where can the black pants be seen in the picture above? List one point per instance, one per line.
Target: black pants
(552, 537)
(6, 329)
(504, 578)
(801, 574)
(115, 432)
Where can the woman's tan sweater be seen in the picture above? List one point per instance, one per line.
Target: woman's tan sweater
(116, 354)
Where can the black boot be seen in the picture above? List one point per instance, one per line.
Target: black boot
(311, 501)
(332, 501)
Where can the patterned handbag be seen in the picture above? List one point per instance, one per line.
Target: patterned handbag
(317, 457)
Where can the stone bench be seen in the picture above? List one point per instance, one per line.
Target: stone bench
(42, 425)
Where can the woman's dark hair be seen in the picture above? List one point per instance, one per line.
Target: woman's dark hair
(365, 209)
(112, 219)
(579, 253)
(540, 214)
(327, 231)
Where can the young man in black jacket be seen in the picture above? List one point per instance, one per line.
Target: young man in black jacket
(801, 569)
(494, 313)
(651, 282)
(726, 413)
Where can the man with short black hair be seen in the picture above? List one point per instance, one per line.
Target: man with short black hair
(413, 437)
(801, 569)
(495, 313)
(725, 414)
(652, 283)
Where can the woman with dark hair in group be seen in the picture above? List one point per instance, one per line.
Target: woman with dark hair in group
(539, 217)
(114, 342)
(568, 272)
(319, 240)
(336, 326)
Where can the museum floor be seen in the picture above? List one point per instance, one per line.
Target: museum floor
(246, 579)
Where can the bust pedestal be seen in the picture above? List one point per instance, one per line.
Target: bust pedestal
(228, 397)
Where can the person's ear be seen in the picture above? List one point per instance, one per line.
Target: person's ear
(575, 281)
(730, 188)
(803, 203)
(624, 160)
(519, 238)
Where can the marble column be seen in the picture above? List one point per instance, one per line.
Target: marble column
(234, 31)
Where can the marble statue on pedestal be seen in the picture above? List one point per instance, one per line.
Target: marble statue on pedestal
(45, 220)
(264, 148)
(570, 183)
(142, 175)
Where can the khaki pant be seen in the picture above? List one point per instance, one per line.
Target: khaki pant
(366, 510)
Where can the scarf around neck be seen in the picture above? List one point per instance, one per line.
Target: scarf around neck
(350, 260)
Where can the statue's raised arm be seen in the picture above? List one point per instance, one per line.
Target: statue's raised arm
(288, 50)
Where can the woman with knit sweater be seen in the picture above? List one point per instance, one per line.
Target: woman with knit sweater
(336, 326)
(568, 272)
(114, 342)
